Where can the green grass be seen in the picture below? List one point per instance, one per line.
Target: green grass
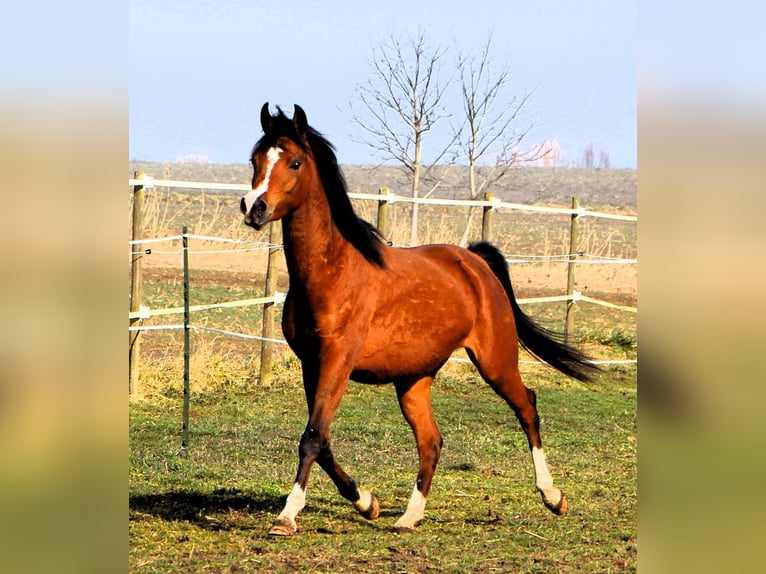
(211, 510)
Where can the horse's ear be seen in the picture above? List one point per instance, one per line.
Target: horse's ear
(299, 120)
(266, 119)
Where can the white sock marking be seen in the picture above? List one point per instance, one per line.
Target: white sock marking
(252, 196)
(415, 511)
(543, 478)
(296, 500)
(364, 502)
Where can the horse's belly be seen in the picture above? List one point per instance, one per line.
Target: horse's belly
(388, 356)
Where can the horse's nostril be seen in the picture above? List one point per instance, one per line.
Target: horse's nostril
(260, 208)
(242, 206)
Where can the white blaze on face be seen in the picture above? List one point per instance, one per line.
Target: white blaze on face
(252, 196)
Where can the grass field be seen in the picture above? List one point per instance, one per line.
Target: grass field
(211, 510)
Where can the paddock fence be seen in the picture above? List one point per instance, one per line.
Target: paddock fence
(140, 315)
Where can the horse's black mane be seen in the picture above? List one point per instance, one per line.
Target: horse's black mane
(364, 236)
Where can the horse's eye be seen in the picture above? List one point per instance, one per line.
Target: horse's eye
(296, 164)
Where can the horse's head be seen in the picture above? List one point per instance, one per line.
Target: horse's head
(282, 166)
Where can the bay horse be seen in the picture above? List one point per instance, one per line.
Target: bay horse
(359, 309)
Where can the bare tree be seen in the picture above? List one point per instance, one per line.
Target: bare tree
(603, 160)
(489, 134)
(401, 103)
(587, 156)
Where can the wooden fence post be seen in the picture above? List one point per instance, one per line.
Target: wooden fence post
(136, 257)
(384, 224)
(488, 219)
(272, 272)
(574, 232)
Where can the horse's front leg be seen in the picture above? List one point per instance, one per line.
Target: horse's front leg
(323, 395)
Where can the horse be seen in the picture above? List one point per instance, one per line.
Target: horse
(360, 309)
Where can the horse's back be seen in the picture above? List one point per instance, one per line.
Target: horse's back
(433, 275)
(462, 274)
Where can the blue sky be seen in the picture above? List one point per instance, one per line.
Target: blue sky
(200, 70)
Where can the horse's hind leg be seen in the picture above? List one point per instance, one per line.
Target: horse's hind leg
(364, 501)
(415, 402)
(553, 498)
(506, 381)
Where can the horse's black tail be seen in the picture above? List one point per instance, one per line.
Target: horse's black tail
(546, 345)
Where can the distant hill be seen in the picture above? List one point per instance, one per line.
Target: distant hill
(546, 186)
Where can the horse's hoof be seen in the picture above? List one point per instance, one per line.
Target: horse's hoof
(559, 508)
(283, 527)
(406, 526)
(373, 511)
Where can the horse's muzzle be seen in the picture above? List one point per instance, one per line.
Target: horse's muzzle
(259, 213)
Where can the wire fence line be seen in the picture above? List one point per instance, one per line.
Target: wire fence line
(391, 198)
(140, 313)
(278, 299)
(179, 327)
(515, 258)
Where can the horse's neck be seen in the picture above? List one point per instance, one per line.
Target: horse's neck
(314, 247)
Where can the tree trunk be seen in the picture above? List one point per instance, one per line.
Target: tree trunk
(415, 187)
(468, 225)
(474, 194)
